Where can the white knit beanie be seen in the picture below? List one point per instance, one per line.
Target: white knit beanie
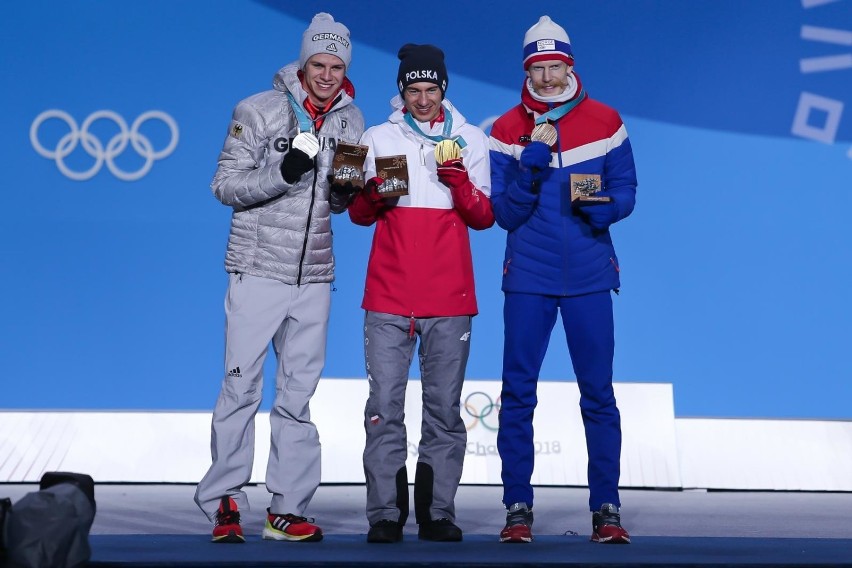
(324, 35)
(547, 40)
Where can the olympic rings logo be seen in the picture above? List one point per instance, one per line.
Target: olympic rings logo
(95, 148)
(483, 409)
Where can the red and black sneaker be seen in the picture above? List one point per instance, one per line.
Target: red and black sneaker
(606, 526)
(519, 520)
(227, 527)
(290, 527)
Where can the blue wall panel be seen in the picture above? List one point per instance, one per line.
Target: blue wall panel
(734, 265)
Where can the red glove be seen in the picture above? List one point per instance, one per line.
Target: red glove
(454, 174)
(371, 190)
(473, 206)
(368, 203)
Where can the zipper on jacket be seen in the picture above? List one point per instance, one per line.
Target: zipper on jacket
(308, 225)
(558, 142)
(422, 155)
(561, 172)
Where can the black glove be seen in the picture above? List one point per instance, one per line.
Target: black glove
(294, 164)
(343, 189)
(300, 158)
(342, 194)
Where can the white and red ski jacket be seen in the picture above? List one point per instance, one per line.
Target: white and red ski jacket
(420, 263)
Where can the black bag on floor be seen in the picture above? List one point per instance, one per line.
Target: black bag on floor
(5, 505)
(50, 527)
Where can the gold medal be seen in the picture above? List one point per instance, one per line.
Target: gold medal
(447, 150)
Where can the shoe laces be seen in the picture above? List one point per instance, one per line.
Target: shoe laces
(226, 515)
(608, 515)
(296, 519)
(228, 518)
(519, 514)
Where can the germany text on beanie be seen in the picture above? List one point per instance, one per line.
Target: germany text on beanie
(324, 35)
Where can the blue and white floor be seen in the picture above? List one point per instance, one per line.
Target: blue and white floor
(159, 525)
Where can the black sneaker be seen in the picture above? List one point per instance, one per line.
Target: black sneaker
(385, 531)
(606, 526)
(519, 520)
(440, 530)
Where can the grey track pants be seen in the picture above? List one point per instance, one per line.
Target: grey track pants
(389, 347)
(295, 320)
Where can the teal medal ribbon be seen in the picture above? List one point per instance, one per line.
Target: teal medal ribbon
(560, 111)
(445, 134)
(305, 122)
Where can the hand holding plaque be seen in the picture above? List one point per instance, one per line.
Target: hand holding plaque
(585, 189)
(394, 171)
(347, 166)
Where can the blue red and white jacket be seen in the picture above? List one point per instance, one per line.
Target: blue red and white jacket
(551, 248)
(420, 263)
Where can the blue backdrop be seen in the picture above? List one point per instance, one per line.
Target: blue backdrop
(734, 264)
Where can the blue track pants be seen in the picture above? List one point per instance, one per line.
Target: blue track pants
(588, 323)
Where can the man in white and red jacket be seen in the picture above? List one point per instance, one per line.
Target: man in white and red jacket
(420, 283)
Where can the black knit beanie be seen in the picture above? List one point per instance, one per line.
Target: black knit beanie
(421, 63)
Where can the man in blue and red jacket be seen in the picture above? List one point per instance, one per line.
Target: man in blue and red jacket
(559, 260)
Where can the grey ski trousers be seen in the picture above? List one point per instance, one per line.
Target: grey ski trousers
(389, 342)
(295, 319)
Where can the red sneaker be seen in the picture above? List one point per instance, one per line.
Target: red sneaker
(290, 527)
(519, 520)
(606, 526)
(227, 528)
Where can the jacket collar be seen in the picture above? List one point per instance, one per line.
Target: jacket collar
(288, 78)
(536, 107)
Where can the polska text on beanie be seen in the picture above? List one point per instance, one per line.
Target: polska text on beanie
(324, 35)
(547, 40)
(421, 63)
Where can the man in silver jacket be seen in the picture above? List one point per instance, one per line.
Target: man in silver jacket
(274, 172)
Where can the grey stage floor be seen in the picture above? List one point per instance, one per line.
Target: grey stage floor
(125, 509)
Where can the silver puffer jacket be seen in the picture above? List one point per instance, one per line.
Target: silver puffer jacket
(279, 230)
